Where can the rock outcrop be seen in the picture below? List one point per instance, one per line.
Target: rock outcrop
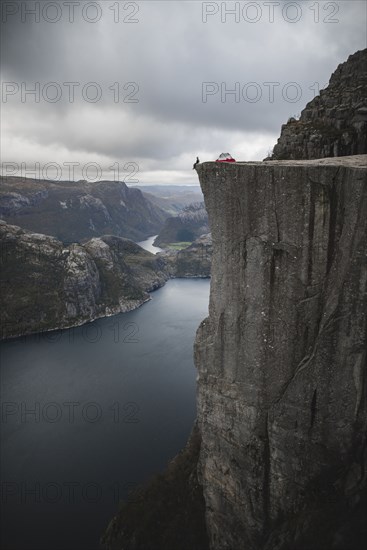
(192, 261)
(281, 358)
(46, 285)
(191, 223)
(78, 211)
(334, 123)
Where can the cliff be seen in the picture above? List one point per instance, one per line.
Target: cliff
(188, 225)
(46, 285)
(334, 123)
(281, 358)
(78, 211)
(192, 261)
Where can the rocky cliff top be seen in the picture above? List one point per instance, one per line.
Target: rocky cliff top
(334, 123)
(355, 161)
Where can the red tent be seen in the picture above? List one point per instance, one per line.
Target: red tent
(225, 157)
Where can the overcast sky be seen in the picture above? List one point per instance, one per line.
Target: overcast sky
(162, 72)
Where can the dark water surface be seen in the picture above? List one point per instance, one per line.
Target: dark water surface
(89, 412)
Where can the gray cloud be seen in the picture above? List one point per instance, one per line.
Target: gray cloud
(169, 54)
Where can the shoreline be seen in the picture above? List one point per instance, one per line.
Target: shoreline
(126, 309)
(78, 324)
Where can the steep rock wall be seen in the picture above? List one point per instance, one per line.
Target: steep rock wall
(281, 358)
(334, 123)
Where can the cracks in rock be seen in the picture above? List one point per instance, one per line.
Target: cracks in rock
(301, 366)
(332, 219)
(304, 300)
(272, 271)
(275, 207)
(308, 358)
(311, 231)
(313, 408)
(266, 480)
(322, 184)
(313, 181)
(323, 323)
(333, 199)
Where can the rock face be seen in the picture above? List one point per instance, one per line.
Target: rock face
(190, 224)
(335, 122)
(193, 261)
(281, 358)
(46, 285)
(78, 211)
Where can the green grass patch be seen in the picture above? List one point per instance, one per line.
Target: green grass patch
(178, 246)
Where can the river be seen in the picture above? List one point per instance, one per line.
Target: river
(148, 245)
(90, 412)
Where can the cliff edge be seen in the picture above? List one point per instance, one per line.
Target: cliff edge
(281, 358)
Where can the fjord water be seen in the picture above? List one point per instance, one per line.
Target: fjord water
(90, 412)
(148, 245)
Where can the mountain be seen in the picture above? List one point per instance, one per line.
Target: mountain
(46, 285)
(191, 223)
(335, 122)
(78, 211)
(192, 261)
(172, 198)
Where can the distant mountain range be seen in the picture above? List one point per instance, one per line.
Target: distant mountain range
(172, 198)
(78, 211)
(192, 261)
(65, 256)
(188, 225)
